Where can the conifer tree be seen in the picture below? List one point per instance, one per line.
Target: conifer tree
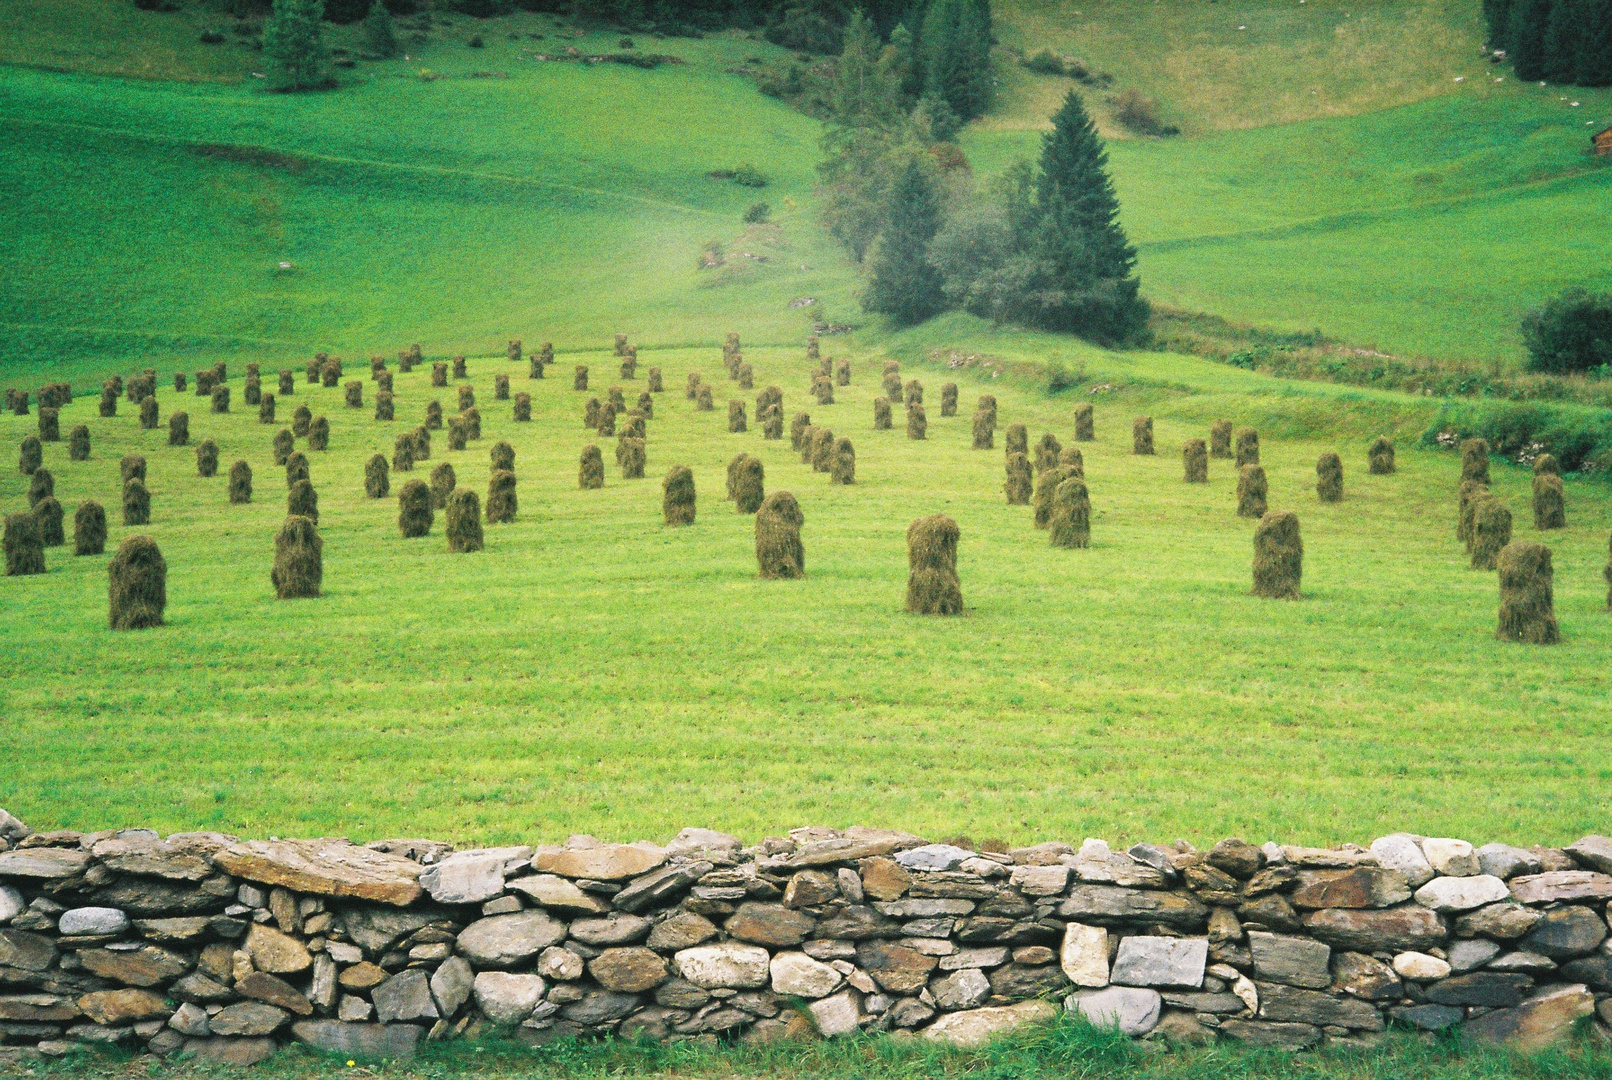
(293, 41)
(904, 285)
(378, 31)
(1525, 38)
(1592, 62)
(1563, 30)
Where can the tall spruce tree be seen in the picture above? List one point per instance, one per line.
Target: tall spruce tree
(1525, 38)
(904, 285)
(1563, 29)
(293, 41)
(1592, 65)
(1497, 14)
(954, 48)
(379, 34)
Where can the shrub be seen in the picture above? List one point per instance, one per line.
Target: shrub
(220, 399)
(1569, 333)
(24, 546)
(779, 552)
(1195, 461)
(207, 458)
(148, 413)
(414, 512)
(748, 485)
(89, 529)
(464, 522)
(1070, 524)
(1527, 608)
(1550, 508)
(138, 584)
(1252, 490)
(1019, 480)
(1381, 456)
(590, 474)
(1141, 114)
(240, 483)
(1278, 555)
(677, 503)
(757, 213)
(984, 429)
(747, 175)
(265, 409)
(299, 564)
(443, 481)
(41, 485)
(296, 468)
(301, 420)
(33, 454)
(1247, 452)
(49, 513)
(932, 584)
(1329, 478)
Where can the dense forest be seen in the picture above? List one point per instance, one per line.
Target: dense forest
(1559, 41)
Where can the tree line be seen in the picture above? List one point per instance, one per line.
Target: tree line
(1559, 41)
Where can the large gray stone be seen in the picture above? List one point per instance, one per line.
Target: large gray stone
(91, 921)
(837, 1015)
(600, 1007)
(1295, 961)
(607, 862)
(1454, 858)
(1491, 989)
(377, 929)
(1543, 1020)
(508, 999)
(1471, 954)
(1355, 887)
(238, 1052)
(43, 863)
(1566, 932)
(729, 965)
(1409, 927)
(1132, 1010)
(794, 974)
(11, 903)
(249, 1018)
(1160, 961)
(1505, 861)
(561, 894)
(1106, 905)
(933, 857)
(505, 940)
(471, 877)
(405, 996)
(1453, 894)
(614, 929)
(359, 1040)
(1561, 886)
(451, 984)
(325, 868)
(965, 989)
(632, 969)
(1402, 852)
(658, 887)
(1293, 1005)
(1272, 1036)
(1083, 955)
(149, 856)
(1594, 852)
(976, 1027)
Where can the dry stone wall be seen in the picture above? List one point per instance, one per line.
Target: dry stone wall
(227, 949)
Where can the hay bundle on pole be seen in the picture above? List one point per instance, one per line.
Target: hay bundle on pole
(19, 400)
(179, 429)
(377, 365)
(523, 408)
(881, 414)
(984, 429)
(414, 356)
(355, 394)
(1071, 457)
(1491, 531)
(808, 440)
(32, 456)
(823, 388)
(501, 501)
(772, 423)
(500, 387)
(948, 399)
(1195, 461)
(301, 417)
(932, 584)
(535, 366)
(109, 402)
(917, 422)
(1247, 452)
(1047, 450)
(132, 467)
(736, 419)
(633, 427)
(1252, 490)
(414, 512)
(1018, 440)
(1606, 572)
(1278, 555)
(1329, 478)
(459, 371)
(319, 434)
(1070, 525)
(629, 366)
(467, 398)
(299, 564)
(842, 470)
(1550, 508)
(471, 418)
(205, 383)
(265, 409)
(1381, 456)
(779, 552)
(702, 399)
(433, 416)
(1046, 487)
(677, 503)
(842, 373)
(1142, 435)
(825, 370)
(646, 405)
(892, 386)
(50, 427)
(1020, 480)
(439, 374)
(621, 344)
(692, 391)
(1085, 422)
(590, 474)
(822, 450)
(137, 585)
(502, 456)
(41, 485)
(607, 419)
(24, 546)
(136, 503)
(181, 382)
(747, 377)
(148, 413)
(631, 456)
(1475, 460)
(892, 367)
(813, 350)
(797, 428)
(1547, 463)
(654, 383)
(1472, 493)
(443, 481)
(384, 407)
(284, 444)
(377, 477)
(1527, 607)
(546, 353)
(914, 391)
(49, 513)
(240, 483)
(253, 393)
(89, 529)
(303, 499)
(330, 374)
(733, 472)
(296, 468)
(749, 485)
(579, 381)
(590, 413)
(207, 458)
(288, 383)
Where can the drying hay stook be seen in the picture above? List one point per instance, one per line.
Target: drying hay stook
(547, 352)
(25, 548)
(1475, 460)
(813, 349)
(702, 399)
(1142, 435)
(534, 366)
(1252, 490)
(457, 433)
(377, 364)
(677, 503)
(590, 474)
(823, 388)
(265, 409)
(204, 383)
(464, 522)
(459, 371)
(881, 414)
(312, 370)
(822, 450)
(749, 485)
(891, 367)
(50, 425)
(303, 499)
(779, 552)
(299, 562)
(917, 422)
(1085, 423)
(377, 477)
(1020, 480)
(467, 398)
(109, 403)
(288, 383)
(842, 373)
(137, 590)
(1018, 440)
(383, 381)
(296, 468)
(914, 393)
(501, 455)
(207, 458)
(692, 391)
(797, 428)
(579, 381)
(179, 429)
(523, 408)
(633, 427)
(984, 429)
(330, 374)
(1380, 457)
(49, 513)
(842, 469)
(132, 467)
(1527, 608)
(89, 529)
(148, 413)
(948, 399)
(433, 416)
(629, 368)
(1046, 487)
(772, 423)
(220, 372)
(621, 344)
(385, 409)
(932, 584)
(284, 444)
(736, 420)
(1329, 478)
(607, 418)
(1606, 572)
(354, 394)
(220, 399)
(892, 387)
(1472, 493)
(500, 387)
(590, 413)
(443, 481)
(1278, 555)
(501, 500)
(18, 400)
(631, 456)
(1550, 507)
(1070, 526)
(646, 405)
(253, 394)
(1247, 452)
(181, 383)
(655, 384)
(413, 357)
(733, 472)
(747, 377)
(136, 503)
(240, 483)
(1047, 450)
(1491, 532)
(41, 485)
(319, 434)
(1547, 463)
(1071, 457)
(825, 370)
(32, 456)
(1195, 461)
(414, 513)
(300, 419)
